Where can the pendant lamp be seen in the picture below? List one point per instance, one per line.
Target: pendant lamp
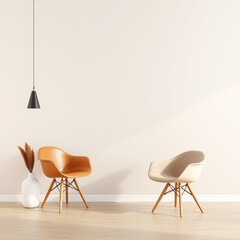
(33, 101)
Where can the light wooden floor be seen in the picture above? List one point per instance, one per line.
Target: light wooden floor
(120, 221)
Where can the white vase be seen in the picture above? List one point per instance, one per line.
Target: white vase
(30, 191)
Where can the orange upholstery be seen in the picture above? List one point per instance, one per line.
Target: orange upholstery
(58, 164)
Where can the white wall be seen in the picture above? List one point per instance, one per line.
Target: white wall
(124, 82)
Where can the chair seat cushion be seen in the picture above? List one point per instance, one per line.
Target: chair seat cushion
(75, 173)
(161, 178)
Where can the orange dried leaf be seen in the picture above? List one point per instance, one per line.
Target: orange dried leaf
(32, 161)
(30, 158)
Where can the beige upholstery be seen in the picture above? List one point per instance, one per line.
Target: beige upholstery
(184, 168)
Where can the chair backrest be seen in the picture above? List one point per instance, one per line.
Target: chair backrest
(54, 155)
(179, 163)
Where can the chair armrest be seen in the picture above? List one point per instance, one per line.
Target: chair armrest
(50, 169)
(191, 173)
(78, 163)
(156, 168)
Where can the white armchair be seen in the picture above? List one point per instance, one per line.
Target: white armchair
(184, 168)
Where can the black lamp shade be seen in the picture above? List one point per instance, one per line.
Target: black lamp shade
(33, 101)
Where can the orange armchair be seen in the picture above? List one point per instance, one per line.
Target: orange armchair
(58, 164)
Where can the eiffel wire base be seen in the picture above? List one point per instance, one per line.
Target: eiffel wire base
(62, 187)
(178, 192)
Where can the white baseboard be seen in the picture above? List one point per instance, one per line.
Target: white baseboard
(129, 198)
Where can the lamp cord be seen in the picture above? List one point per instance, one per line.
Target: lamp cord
(33, 44)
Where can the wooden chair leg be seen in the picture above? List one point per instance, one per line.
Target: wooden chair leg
(175, 195)
(48, 192)
(194, 197)
(161, 196)
(180, 199)
(60, 196)
(75, 181)
(66, 183)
